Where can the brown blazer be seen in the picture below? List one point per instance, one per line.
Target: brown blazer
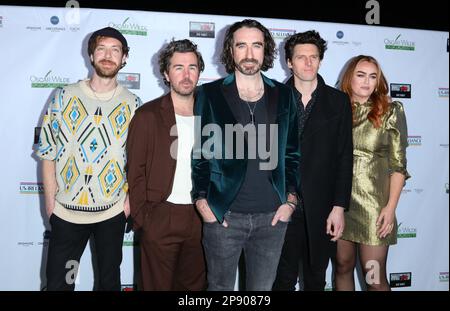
(150, 167)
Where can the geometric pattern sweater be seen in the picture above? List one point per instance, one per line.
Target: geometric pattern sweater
(85, 134)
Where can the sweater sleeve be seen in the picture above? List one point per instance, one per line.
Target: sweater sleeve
(50, 128)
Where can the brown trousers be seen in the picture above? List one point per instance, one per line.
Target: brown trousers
(172, 256)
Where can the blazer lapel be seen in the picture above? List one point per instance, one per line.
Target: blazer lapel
(272, 103)
(168, 119)
(318, 118)
(228, 94)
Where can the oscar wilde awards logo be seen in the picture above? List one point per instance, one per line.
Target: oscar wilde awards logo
(128, 239)
(405, 232)
(130, 27)
(399, 44)
(48, 81)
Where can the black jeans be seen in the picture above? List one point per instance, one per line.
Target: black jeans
(67, 244)
(295, 259)
(251, 233)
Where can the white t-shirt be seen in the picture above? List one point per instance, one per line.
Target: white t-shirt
(182, 183)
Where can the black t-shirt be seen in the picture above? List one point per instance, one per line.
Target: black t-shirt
(257, 193)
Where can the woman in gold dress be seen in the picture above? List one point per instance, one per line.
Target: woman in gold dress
(379, 173)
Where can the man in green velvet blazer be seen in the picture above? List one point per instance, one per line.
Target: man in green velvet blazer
(245, 161)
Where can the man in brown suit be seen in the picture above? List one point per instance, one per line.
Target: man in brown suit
(160, 140)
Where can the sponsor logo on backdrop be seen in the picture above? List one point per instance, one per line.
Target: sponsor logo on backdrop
(54, 20)
(129, 80)
(447, 44)
(414, 141)
(399, 44)
(48, 81)
(402, 279)
(443, 145)
(443, 277)
(443, 92)
(74, 28)
(1, 21)
(404, 232)
(31, 188)
(400, 90)
(37, 133)
(33, 28)
(205, 80)
(128, 239)
(202, 29)
(25, 244)
(446, 188)
(128, 287)
(128, 27)
(340, 35)
(416, 191)
(279, 33)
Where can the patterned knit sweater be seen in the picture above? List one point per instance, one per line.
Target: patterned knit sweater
(85, 134)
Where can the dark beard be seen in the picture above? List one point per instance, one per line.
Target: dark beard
(248, 72)
(181, 92)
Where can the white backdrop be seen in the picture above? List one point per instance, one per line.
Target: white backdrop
(41, 48)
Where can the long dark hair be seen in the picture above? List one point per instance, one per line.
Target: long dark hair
(269, 45)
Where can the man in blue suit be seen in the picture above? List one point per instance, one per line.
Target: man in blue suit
(245, 163)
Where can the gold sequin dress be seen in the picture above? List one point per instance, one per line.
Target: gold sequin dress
(377, 154)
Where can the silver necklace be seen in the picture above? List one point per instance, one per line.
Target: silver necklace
(250, 98)
(252, 112)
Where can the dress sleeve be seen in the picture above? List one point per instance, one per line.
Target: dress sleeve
(50, 128)
(398, 139)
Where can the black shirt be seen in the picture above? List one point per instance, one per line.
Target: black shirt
(257, 193)
(303, 117)
(304, 112)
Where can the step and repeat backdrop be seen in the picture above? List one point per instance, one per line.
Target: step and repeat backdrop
(43, 48)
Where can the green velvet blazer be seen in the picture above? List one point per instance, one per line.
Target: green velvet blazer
(218, 179)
